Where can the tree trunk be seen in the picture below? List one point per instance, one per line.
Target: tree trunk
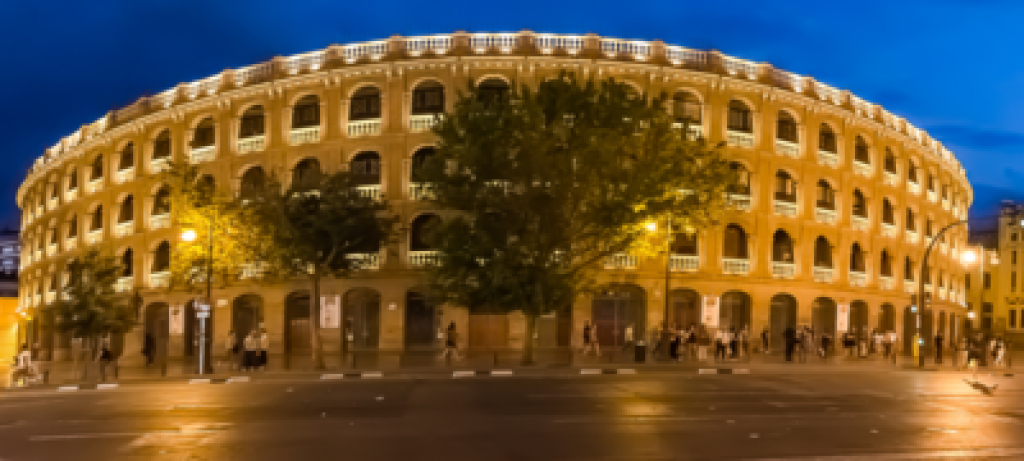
(531, 328)
(314, 322)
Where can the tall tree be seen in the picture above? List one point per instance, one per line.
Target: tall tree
(547, 184)
(315, 228)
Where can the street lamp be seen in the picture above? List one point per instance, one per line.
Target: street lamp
(922, 296)
(203, 310)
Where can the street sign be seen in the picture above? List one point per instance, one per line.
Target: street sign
(709, 313)
(203, 315)
(843, 318)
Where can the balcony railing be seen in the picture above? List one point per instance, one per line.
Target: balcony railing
(694, 131)
(94, 237)
(52, 249)
(890, 178)
(735, 266)
(928, 288)
(252, 144)
(781, 270)
(912, 236)
(124, 284)
(787, 148)
(932, 196)
(858, 279)
(124, 229)
(50, 297)
(371, 191)
(942, 292)
(889, 230)
(886, 283)
(94, 186)
(859, 222)
(620, 261)
(829, 159)
(913, 187)
(740, 139)
(862, 169)
(70, 243)
(364, 261)
(825, 216)
(125, 175)
(785, 208)
(307, 135)
(420, 191)
(740, 202)
(54, 203)
(684, 263)
(160, 279)
(422, 258)
(160, 164)
(909, 286)
(70, 195)
(945, 204)
(160, 221)
(38, 255)
(823, 274)
(423, 123)
(201, 154)
(369, 127)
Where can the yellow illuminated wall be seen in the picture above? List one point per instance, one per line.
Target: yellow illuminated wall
(8, 331)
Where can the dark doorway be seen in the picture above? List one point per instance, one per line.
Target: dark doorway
(685, 308)
(421, 322)
(616, 308)
(783, 316)
(246, 315)
(362, 315)
(859, 319)
(734, 312)
(823, 317)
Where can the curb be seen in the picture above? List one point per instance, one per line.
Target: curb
(363, 375)
(723, 371)
(607, 371)
(472, 373)
(88, 387)
(231, 380)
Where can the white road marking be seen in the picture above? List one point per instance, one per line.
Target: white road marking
(590, 371)
(501, 373)
(106, 386)
(333, 376)
(463, 374)
(372, 374)
(95, 435)
(626, 371)
(968, 454)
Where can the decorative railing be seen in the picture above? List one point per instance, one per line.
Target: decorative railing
(945, 204)
(740, 139)
(912, 237)
(942, 292)
(620, 261)
(70, 195)
(787, 148)
(160, 221)
(858, 279)
(421, 191)
(54, 203)
(422, 258)
(124, 284)
(252, 144)
(549, 43)
(890, 178)
(859, 222)
(201, 154)
(364, 261)
(52, 249)
(823, 274)
(741, 202)
(39, 255)
(886, 283)
(307, 135)
(502, 43)
(783, 270)
(253, 270)
(70, 243)
(123, 229)
(371, 191)
(618, 48)
(370, 127)
(889, 230)
(125, 175)
(693, 130)
(372, 51)
(735, 266)
(436, 44)
(828, 159)
(862, 169)
(932, 196)
(94, 237)
(825, 216)
(306, 62)
(740, 67)
(423, 123)
(160, 279)
(50, 297)
(160, 164)
(94, 186)
(914, 187)
(785, 208)
(684, 263)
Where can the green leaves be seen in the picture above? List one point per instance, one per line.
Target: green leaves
(89, 306)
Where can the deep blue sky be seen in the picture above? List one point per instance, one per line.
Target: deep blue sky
(953, 67)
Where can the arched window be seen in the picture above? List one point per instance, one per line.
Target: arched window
(306, 112)
(162, 145)
(205, 134)
(73, 180)
(740, 118)
(911, 223)
(888, 214)
(252, 123)
(421, 232)
(822, 253)
(252, 183)
(782, 247)
(860, 151)
(742, 186)
(365, 168)
(945, 192)
(786, 128)
(493, 90)
(931, 182)
(890, 161)
(827, 139)
(860, 204)
(735, 243)
(929, 230)
(97, 168)
(52, 233)
(365, 104)
(686, 108)
(428, 98)
(908, 269)
(785, 187)
(885, 265)
(127, 211)
(54, 191)
(96, 223)
(127, 263)
(306, 174)
(127, 158)
(73, 227)
(419, 160)
(826, 199)
(162, 202)
(684, 243)
(857, 259)
(161, 258)
(911, 171)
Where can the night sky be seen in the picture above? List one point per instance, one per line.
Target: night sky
(952, 67)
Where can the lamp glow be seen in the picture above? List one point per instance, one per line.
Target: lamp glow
(651, 227)
(188, 235)
(970, 256)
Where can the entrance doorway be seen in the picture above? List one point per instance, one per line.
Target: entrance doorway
(362, 317)
(783, 316)
(685, 308)
(421, 321)
(614, 309)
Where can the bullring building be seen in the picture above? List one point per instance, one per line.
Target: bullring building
(839, 199)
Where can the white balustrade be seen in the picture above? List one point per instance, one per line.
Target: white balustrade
(859, 222)
(307, 135)
(741, 202)
(504, 43)
(889, 230)
(684, 263)
(160, 279)
(620, 261)
(70, 243)
(693, 131)
(933, 196)
(635, 49)
(549, 43)
(423, 123)
(861, 168)
(825, 216)
(124, 229)
(858, 279)
(437, 44)
(364, 261)
(945, 204)
(420, 191)
(54, 203)
(50, 297)
(202, 154)
(828, 159)
(942, 292)
(912, 236)
(886, 283)
(914, 188)
(124, 284)
(890, 178)
(740, 139)
(71, 195)
(94, 237)
(370, 127)
(373, 51)
(160, 164)
(823, 274)
(252, 144)
(125, 175)
(735, 266)
(787, 148)
(371, 191)
(52, 249)
(422, 258)
(160, 221)
(785, 208)
(783, 270)
(94, 186)
(39, 255)
(253, 270)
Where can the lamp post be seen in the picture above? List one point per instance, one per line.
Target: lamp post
(653, 227)
(922, 296)
(203, 310)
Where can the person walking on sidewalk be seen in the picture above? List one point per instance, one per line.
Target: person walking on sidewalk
(825, 340)
(103, 360)
(250, 354)
(673, 347)
(22, 369)
(703, 342)
(790, 337)
(628, 339)
(720, 344)
(938, 348)
(764, 339)
(264, 345)
(732, 342)
(588, 340)
(691, 342)
(148, 348)
(451, 344)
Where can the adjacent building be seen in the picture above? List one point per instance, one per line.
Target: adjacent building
(995, 294)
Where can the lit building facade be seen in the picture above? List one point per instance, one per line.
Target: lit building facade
(841, 197)
(10, 319)
(995, 296)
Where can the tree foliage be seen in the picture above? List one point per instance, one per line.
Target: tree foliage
(89, 307)
(545, 185)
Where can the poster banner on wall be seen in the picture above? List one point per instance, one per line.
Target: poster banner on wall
(177, 320)
(843, 318)
(330, 311)
(709, 311)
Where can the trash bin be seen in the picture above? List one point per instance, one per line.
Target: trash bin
(640, 352)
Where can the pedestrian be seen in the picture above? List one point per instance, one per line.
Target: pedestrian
(451, 341)
(627, 336)
(264, 345)
(938, 348)
(22, 369)
(587, 337)
(765, 340)
(148, 348)
(998, 352)
(877, 338)
(250, 354)
(719, 344)
(673, 347)
(745, 342)
(732, 341)
(691, 342)
(103, 360)
(703, 342)
(790, 338)
(825, 340)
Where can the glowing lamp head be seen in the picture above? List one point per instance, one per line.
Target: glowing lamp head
(188, 235)
(652, 227)
(970, 315)
(970, 256)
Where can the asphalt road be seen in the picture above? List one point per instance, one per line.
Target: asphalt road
(900, 415)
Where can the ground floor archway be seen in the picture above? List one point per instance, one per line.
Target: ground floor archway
(422, 322)
(734, 311)
(887, 318)
(823, 317)
(362, 318)
(615, 308)
(782, 316)
(859, 327)
(684, 309)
